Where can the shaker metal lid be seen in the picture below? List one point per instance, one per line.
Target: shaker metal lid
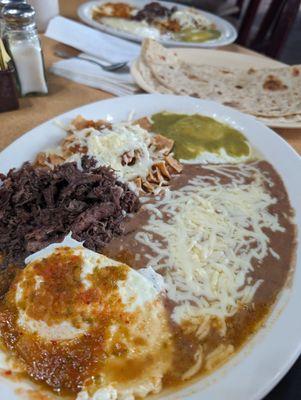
(4, 3)
(16, 14)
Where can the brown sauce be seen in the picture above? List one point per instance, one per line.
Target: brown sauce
(66, 365)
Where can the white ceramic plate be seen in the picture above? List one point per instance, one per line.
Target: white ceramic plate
(253, 372)
(221, 59)
(228, 32)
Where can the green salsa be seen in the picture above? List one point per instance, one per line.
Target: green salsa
(195, 36)
(195, 134)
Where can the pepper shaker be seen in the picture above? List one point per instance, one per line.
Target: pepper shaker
(24, 46)
(4, 3)
(8, 92)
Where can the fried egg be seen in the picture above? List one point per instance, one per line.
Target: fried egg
(140, 28)
(86, 324)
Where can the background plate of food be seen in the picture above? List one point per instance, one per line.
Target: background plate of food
(230, 78)
(169, 23)
(206, 196)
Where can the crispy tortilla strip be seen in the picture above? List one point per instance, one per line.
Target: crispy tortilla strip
(163, 144)
(161, 166)
(159, 176)
(80, 123)
(151, 177)
(144, 123)
(55, 159)
(147, 186)
(44, 160)
(138, 183)
(174, 164)
(41, 159)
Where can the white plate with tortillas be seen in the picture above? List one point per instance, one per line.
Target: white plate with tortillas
(227, 77)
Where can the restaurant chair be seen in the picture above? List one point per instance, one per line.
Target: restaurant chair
(274, 28)
(222, 8)
(239, 4)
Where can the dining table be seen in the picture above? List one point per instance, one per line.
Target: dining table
(65, 95)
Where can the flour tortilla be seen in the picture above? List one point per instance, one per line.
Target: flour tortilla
(289, 119)
(250, 90)
(148, 77)
(173, 72)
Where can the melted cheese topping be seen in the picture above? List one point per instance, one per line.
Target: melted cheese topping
(212, 234)
(108, 146)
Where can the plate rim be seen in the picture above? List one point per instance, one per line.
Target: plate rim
(82, 13)
(295, 158)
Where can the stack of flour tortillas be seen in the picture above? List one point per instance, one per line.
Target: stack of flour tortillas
(270, 94)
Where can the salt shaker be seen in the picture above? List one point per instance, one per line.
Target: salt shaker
(4, 3)
(24, 46)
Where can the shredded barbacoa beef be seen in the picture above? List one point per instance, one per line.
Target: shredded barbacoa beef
(40, 206)
(150, 12)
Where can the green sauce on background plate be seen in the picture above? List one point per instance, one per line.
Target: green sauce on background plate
(197, 36)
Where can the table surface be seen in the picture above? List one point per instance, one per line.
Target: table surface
(65, 95)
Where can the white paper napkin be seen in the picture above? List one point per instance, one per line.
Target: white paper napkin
(81, 71)
(96, 45)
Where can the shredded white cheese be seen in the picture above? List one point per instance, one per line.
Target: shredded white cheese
(212, 234)
(108, 146)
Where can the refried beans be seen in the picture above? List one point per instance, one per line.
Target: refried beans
(273, 271)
